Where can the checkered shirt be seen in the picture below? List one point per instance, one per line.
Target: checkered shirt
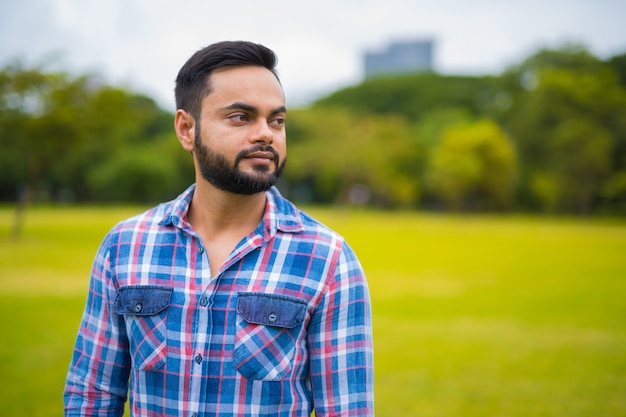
(284, 327)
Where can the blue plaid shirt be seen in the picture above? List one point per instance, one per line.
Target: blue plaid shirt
(284, 328)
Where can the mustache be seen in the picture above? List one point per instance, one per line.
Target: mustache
(259, 148)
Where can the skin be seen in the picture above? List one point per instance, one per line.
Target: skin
(245, 108)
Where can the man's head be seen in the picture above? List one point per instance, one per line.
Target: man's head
(193, 81)
(231, 116)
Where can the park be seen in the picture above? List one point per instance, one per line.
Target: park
(488, 213)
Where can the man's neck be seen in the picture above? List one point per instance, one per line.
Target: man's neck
(214, 212)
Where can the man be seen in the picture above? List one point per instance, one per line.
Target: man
(227, 301)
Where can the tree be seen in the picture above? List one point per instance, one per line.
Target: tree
(567, 119)
(40, 122)
(618, 63)
(143, 173)
(473, 167)
(347, 157)
(55, 129)
(415, 95)
(117, 122)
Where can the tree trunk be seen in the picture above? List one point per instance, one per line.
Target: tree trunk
(25, 198)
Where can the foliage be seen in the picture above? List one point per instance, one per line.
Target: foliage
(567, 118)
(415, 95)
(563, 111)
(350, 158)
(554, 125)
(39, 121)
(618, 63)
(141, 174)
(55, 129)
(474, 167)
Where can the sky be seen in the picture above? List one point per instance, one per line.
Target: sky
(141, 44)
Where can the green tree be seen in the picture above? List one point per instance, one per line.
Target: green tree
(40, 121)
(55, 129)
(567, 118)
(473, 167)
(618, 63)
(347, 157)
(416, 95)
(144, 173)
(427, 133)
(116, 122)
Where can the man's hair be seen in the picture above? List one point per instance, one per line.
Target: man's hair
(192, 82)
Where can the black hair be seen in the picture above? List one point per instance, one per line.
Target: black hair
(192, 82)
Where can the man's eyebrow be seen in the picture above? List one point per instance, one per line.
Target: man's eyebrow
(252, 109)
(242, 106)
(281, 109)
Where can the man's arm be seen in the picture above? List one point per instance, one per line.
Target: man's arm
(340, 338)
(97, 380)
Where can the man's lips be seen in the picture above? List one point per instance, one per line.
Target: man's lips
(260, 157)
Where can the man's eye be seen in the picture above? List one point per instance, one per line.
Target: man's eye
(278, 121)
(240, 118)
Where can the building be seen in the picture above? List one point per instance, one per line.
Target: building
(400, 58)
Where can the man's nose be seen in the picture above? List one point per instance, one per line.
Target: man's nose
(263, 133)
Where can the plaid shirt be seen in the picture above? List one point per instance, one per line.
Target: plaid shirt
(282, 329)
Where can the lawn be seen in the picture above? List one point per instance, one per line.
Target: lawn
(474, 315)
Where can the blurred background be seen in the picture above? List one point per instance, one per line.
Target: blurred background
(473, 153)
(442, 106)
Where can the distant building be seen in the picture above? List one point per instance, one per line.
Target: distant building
(400, 58)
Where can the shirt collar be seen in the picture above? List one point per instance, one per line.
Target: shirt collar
(280, 213)
(176, 210)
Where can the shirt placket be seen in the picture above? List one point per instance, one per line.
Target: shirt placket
(201, 330)
(203, 326)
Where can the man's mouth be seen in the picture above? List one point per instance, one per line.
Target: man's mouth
(260, 158)
(260, 155)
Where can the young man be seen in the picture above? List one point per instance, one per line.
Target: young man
(227, 301)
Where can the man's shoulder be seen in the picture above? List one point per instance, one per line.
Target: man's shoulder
(325, 242)
(155, 218)
(307, 224)
(310, 222)
(141, 224)
(150, 217)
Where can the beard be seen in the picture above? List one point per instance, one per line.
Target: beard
(217, 171)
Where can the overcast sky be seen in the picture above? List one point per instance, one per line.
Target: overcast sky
(141, 44)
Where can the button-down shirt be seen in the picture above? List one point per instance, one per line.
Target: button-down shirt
(283, 328)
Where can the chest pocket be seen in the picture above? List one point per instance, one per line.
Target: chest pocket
(268, 328)
(144, 308)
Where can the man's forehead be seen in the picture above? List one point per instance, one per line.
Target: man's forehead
(248, 73)
(252, 85)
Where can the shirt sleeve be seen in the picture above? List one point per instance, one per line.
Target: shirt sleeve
(341, 346)
(97, 380)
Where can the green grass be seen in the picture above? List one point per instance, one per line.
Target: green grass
(473, 316)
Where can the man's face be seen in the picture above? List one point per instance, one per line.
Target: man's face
(239, 141)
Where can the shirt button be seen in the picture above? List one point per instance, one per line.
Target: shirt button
(200, 250)
(272, 317)
(194, 415)
(138, 307)
(204, 301)
(198, 359)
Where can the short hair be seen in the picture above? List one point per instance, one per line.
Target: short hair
(192, 82)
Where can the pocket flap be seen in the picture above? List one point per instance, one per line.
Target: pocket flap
(142, 300)
(271, 309)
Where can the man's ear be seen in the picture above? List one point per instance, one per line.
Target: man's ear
(185, 126)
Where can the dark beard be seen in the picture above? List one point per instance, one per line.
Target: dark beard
(215, 168)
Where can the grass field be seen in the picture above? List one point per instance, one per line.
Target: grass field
(474, 316)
